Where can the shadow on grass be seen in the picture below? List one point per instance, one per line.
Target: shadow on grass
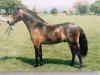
(45, 60)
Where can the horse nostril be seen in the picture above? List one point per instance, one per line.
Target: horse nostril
(10, 23)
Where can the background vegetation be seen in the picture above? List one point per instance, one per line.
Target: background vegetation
(79, 7)
(8, 6)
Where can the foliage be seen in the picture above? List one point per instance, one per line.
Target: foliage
(9, 5)
(34, 10)
(45, 12)
(54, 11)
(68, 11)
(81, 7)
(95, 7)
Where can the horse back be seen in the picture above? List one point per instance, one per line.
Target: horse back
(54, 33)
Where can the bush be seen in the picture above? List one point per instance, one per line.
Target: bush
(81, 7)
(54, 11)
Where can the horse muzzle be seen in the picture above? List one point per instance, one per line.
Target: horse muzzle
(10, 23)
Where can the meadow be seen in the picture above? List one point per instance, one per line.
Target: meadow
(17, 52)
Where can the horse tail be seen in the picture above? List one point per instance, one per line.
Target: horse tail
(83, 43)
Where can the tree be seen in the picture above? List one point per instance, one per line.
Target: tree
(68, 11)
(9, 5)
(45, 12)
(34, 10)
(81, 7)
(54, 11)
(95, 7)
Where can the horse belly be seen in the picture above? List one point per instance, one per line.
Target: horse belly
(54, 38)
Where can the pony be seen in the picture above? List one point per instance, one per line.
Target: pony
(43, 33)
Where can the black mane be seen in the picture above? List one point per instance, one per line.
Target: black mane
(35, 15)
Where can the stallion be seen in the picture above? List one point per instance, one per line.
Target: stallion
(43, 33)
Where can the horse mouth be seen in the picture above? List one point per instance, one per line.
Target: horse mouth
(10, 23)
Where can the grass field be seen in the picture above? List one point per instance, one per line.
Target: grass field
(17, 53)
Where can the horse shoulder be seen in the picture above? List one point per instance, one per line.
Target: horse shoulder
(37, 36)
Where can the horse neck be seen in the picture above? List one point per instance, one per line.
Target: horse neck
(31, 22)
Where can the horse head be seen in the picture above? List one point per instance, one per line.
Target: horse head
(16, 16)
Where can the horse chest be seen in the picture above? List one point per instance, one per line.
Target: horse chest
(37, 35)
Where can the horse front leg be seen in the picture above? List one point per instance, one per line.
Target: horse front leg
(40, 55)
(36, 55)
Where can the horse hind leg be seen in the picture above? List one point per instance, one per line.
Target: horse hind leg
(77, 47)
(73, 52)
(80, 58)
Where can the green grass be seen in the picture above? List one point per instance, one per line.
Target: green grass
(17, 52)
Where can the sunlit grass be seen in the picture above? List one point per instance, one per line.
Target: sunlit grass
(17, 52)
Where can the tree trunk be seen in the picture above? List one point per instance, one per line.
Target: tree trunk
(7, 11)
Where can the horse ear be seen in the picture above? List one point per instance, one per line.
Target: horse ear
(18, 8)
(20, 11)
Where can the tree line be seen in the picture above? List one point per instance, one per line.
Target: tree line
(85, 8)
(8, 6)
(80, 7)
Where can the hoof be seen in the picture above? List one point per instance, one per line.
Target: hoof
(36, 65)
(81, 66)
(72, 63)
(41, 63)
